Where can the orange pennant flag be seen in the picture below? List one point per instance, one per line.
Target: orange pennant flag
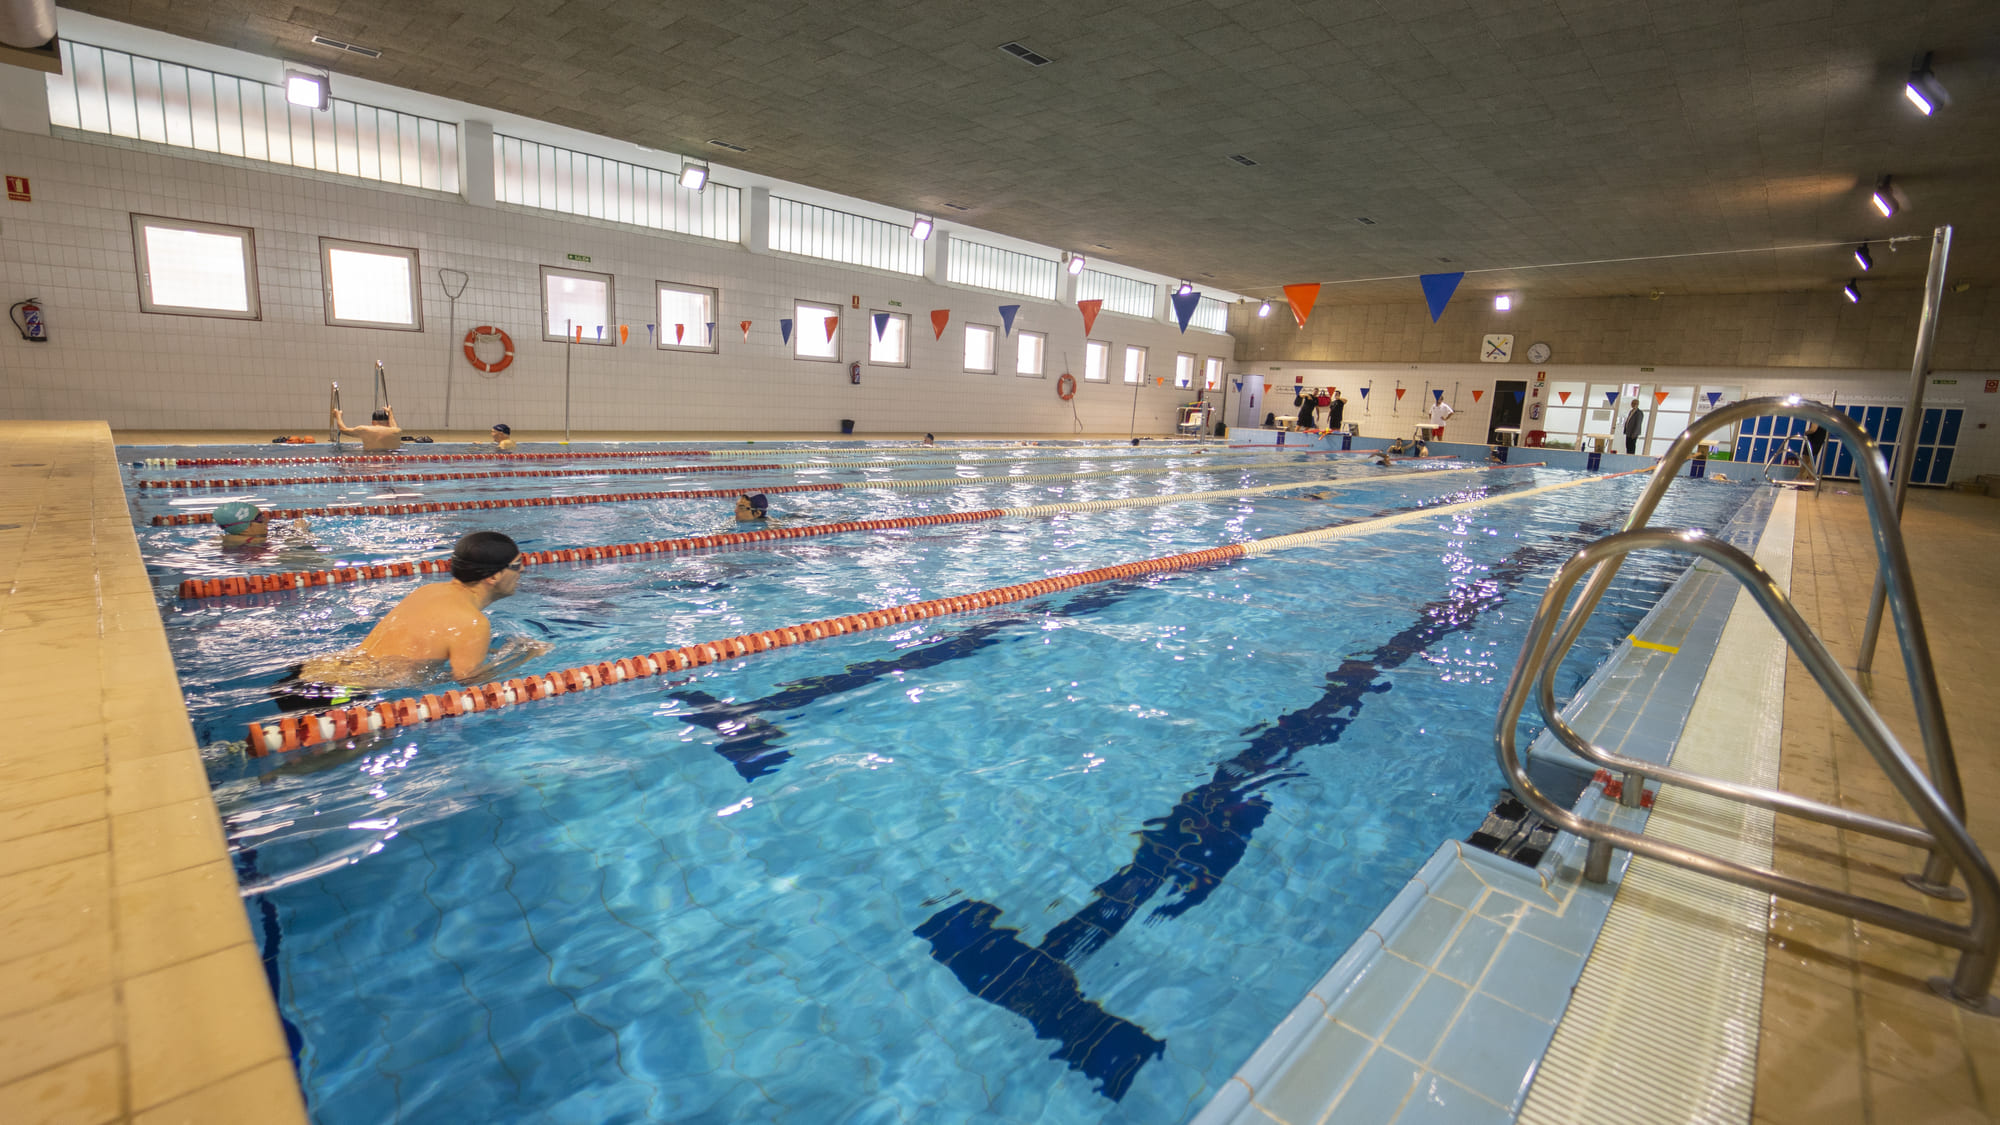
(1564, 395)
(940, 318)
(680, 331)
(624, 333)
(1301, 298)
(1659, 397)
(1399, 393)
(831, 323)
(1159, 380)
(1090, 310)
(1476, 394)
(746, 329)
(579, 333)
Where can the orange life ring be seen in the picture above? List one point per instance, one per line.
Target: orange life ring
(472, 352)
(1066, 387)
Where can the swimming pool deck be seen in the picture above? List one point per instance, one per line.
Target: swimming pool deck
(130, 988)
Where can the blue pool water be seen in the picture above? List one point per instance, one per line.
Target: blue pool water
(1063, 861)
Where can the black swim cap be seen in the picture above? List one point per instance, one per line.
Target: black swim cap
(380, 416)
(481, 555)
(758, 503)
(504, 428)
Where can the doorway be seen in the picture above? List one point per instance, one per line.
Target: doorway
(1507, 396)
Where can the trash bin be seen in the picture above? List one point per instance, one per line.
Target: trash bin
(847, 425)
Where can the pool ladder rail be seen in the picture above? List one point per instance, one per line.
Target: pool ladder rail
(1937, 798)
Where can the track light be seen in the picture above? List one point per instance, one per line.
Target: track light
(921, 229)
(1184, 289)
(1264, 309)
(1075, 264)
(694, 177)
(1852, 294)
(1502, 302)
(1862, 259)
(1884, 197)
(307, 90)
(1923, 89)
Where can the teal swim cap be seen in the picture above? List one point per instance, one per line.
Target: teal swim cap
(235, 517)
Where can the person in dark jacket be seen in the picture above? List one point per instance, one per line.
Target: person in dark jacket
(1635, 424)
(1335, 409)
(1307, 403)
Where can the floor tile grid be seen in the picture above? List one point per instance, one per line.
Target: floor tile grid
(129, 989)
(1850, 1032)
(1662, 1027)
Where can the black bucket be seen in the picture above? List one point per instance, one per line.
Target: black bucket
(847, 425)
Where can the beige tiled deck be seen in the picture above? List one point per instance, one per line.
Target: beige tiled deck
(129, 986)
(1850, 1032)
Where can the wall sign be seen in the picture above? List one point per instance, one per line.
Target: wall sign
(1992, 386)
(578, 257)
(1496, 349)
(17, 189)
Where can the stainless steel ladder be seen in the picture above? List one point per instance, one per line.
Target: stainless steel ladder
(1937, 798)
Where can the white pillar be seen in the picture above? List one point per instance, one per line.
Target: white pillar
(475, 156)
(24, 100)
(757, 232)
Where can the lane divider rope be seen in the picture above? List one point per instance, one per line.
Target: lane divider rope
(584, 455)
(301, 729)
(185, 518)
(194, 589)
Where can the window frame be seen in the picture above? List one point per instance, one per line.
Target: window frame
(328, 244)
(1099, 347)
(1144, 354)
(992, 350)
(714, 296)
(798, 329)
(894, 318)
(610, 338)
(1184, 382)
(143, 267)
(1041, 370)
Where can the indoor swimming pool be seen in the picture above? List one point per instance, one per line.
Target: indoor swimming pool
(1063, 860)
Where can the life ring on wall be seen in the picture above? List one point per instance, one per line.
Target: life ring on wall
(1066, 387)
(472, 350)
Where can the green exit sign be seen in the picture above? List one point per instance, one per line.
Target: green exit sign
(1944, 382)
(896, 304)
(579, 257)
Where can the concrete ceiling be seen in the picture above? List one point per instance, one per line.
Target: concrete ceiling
(1390, 138)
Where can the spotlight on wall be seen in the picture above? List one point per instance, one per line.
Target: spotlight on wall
(921, 229)
(1884, 197)
(1923, 89)
(1184, 288)
(1075, 264)
(1502, 302)
(694, 177)
(1862, 258)
(1852, 294)
(308, 90)
(1264, 309)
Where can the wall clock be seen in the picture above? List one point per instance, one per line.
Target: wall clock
(1538, 353)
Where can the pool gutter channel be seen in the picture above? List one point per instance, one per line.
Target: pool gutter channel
(1533, 988)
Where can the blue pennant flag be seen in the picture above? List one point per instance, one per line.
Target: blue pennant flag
(1519, 395)
(785, 329)
(1007, 314)
(881, 324)
(600, 333)
(1611, 398)
(649, 333)
(1364, 392)
(711, 332)
(1712, 396)
(1437, 395)
(1184, 306)
(1438, 288)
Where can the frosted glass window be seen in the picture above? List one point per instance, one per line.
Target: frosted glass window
(979, 347)
(815, 331)
(369, 286)
(1096, 361)
(195, 269)
(687, 317)
(1006, 271)
(548, 178)
(1211, 374)
(1126, 295)
(891, 346)
(1135, 364)
(1028, 359)
(837, 236)
(1210, 315)
(574, 301)
(1184, 369)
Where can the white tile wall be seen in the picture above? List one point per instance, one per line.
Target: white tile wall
(72, 248)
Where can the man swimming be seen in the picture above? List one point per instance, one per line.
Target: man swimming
(503, 437)
(754, 506)
(438, 631)
(383, 436)
(244, 524)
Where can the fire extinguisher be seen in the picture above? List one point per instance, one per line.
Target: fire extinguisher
(27, 316)
(854, 373)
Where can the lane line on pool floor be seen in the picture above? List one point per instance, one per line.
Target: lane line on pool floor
(427, 507)
(301, 729)
(240, 585)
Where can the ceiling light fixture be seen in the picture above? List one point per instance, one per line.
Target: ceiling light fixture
(1923, 89)
(307, 90)
(1884, 197)
(1075, 264)
(1264, 309)
(1185, 288)
(694, 177)
(1502, 302)
(1862, 259)
(921, 229)
(1852, 294)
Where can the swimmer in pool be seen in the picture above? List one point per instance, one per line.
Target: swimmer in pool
(1381, 457)
(383, 436)
(930, 440)
(503, 437)
(1396, 446)
(244, 524)
(439, 631)
(754, 506)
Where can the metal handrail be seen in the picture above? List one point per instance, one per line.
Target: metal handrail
(333, 428)
(1937, 799)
